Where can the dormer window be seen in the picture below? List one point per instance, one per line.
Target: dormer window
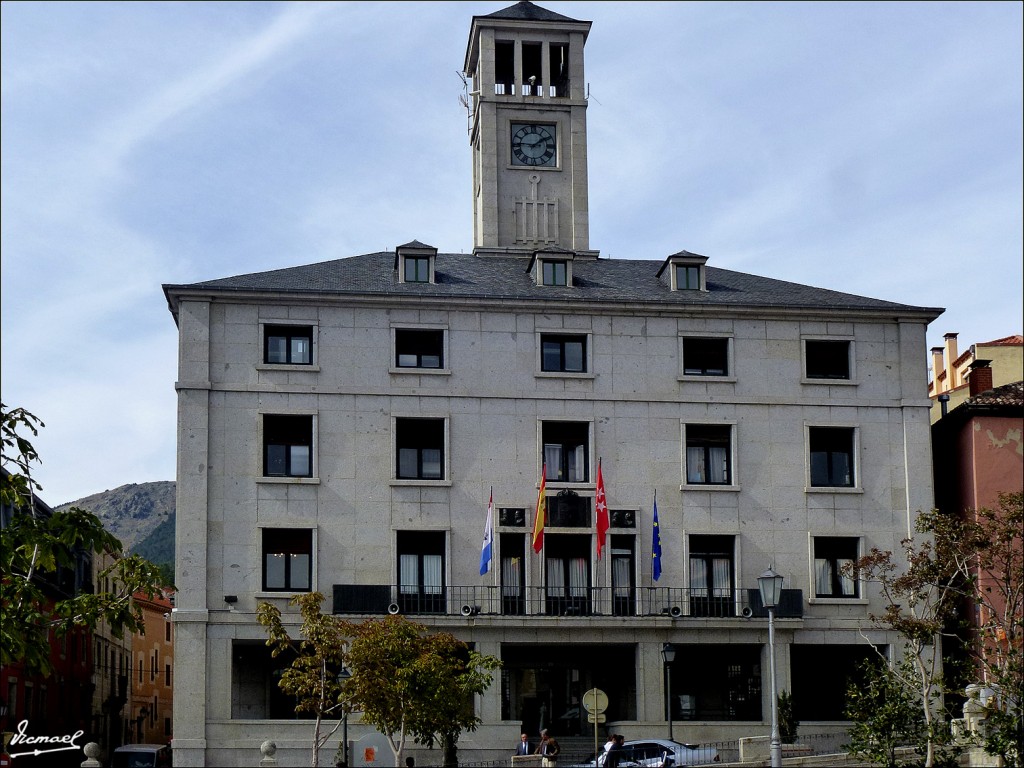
(554, 273)
(685, 271)
(415, 262)
(553, 268)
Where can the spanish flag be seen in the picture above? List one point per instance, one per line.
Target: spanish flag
(541, 513)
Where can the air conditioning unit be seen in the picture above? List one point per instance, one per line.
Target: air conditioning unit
(470, 610)
(394, 609)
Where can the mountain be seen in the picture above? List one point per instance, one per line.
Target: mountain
(141, 515)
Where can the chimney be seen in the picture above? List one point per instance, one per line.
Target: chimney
(980, 377)
(952, 380)
(937, 369)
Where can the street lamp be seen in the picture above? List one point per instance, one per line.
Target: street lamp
(343, 676)
(770, 585)
(668, 653)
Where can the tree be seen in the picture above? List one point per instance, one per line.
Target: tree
(407, 682)
(404, 681)
(884, 711)
(312, 677)
(788, 724)
(986, 549)
(974, 560)
(920, 596)
(34, 546)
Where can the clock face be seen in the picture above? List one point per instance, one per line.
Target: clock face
(533, 145)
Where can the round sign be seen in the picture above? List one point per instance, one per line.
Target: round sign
(595, 701)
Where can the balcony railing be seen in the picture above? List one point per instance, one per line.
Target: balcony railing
(671, 602)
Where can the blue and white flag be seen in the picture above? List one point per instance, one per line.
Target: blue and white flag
(485, 550)
(656, 544)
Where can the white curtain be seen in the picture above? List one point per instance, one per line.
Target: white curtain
(698, 578)
(510, 586)
(578, 577)
(408, 574)
(822, 576)
(432, 574)
(720, 573)
(695, 469)
(556, 577)
(846, 581)
(719, 462)
(621, 576)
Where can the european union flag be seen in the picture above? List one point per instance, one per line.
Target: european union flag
(656, 544)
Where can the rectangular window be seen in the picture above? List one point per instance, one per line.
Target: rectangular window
(711, 575)
(563, 353)
(554, 273)
(566, 447)
(417, 269)
(421, 571)
(416, 348)
(687, 278)
(567, 574)
(831, 451)
(288, 446)
(705, 357)
(167, 631)
(623, 568)
(513, 574)
(288, 345)
(420, 445)
(708, 454)
(167, 675)
(831, 555)
(827, 359)
(287, 559)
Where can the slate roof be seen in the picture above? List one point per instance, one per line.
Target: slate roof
(469, 277)
(526, 11)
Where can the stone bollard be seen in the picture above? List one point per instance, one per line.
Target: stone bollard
(92, 755)
(268, 749)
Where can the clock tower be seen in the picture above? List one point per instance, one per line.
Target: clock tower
(528, 131)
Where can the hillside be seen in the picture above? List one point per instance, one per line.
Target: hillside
(141, 515)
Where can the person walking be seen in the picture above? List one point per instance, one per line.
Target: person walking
(548, 749)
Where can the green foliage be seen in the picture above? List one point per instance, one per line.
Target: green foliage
(312, 677)
(404, 681)
(34, 547)
(408, 682)
(885, 713)
(788, 724)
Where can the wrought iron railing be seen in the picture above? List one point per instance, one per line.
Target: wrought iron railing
(673, 602)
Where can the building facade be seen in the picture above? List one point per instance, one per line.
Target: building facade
(342, 425)
(1001, 361)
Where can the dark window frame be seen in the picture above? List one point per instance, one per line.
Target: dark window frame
(416, 269)
(828, 359)
(418, 348)
(569, 437)
(832, 553)
(290, 544)
(826, 447)
(554, 356)
(706, 555)
(708, 440)
(691, 277)
(282, 435)
(287, 335)
(554, 272)
(421, 592)
(706, 356)
(414, 439)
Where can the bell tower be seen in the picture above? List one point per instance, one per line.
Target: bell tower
(528, 131)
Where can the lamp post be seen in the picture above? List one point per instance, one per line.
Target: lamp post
(343, 675)
(770, 585)
(668, 653)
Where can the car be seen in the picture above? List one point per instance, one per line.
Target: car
(651, 753)
(142, 756)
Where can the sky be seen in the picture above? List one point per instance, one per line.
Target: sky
(868, 147)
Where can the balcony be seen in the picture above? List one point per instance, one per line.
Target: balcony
(671, 602)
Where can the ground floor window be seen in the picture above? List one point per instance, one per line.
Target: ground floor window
(822, 674)
(716, 682)
(542, 686)
(255, 694)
